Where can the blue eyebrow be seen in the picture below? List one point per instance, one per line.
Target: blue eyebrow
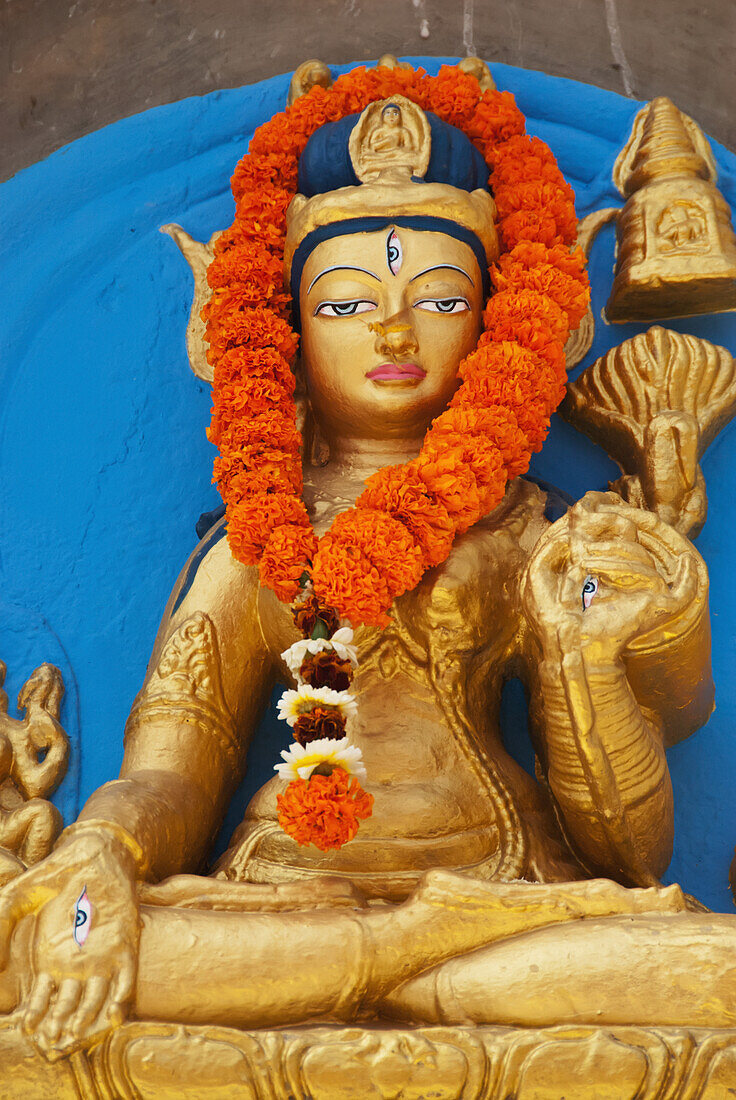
(439, 267)
(343, 267)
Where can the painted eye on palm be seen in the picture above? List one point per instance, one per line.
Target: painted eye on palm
(344, 309)
(443, 305)
(82, 919)
(589, 591)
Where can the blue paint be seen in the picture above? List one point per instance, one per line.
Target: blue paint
(325, 163)
(106, 466)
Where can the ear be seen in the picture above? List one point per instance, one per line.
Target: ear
(199, 256)
(484, 204)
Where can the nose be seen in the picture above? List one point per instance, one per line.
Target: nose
(396, 339)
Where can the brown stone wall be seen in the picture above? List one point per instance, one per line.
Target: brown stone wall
(71, 66)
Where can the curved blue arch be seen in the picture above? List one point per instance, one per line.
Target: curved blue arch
(105, 464)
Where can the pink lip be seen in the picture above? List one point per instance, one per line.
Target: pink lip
(393, 371)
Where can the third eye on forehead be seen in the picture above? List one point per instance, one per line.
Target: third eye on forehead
(394, 252)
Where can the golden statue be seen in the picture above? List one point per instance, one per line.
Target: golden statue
(474, 894)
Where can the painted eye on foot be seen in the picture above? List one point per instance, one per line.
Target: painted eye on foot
(82, 919)
(344, 309)
(590, 588)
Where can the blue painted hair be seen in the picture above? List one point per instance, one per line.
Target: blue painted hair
(325, 163)
(325, 166)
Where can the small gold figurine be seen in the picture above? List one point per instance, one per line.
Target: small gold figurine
(676, 244)
(33, 758)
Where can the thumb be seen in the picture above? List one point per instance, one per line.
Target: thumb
(23, 895)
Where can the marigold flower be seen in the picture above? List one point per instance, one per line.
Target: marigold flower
(326, 669)
(522, 158)
(261, 472)
(401, 492)
(340, 643)
(251, 520)
(258, 327)
(494, 423)
(496, 119)
(549, 225)
(255, 171)
(452, 482)
(382, 539)
(287, 553)
(510, 308)
(238, 274)
(321, 724)
(555, 272)
(344, 577)
(310, 611)
(326, 811)
(482, 457)
(238, 364)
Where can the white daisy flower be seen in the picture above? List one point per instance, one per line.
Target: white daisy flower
(301, 760)
(340, 642)
(293, 704)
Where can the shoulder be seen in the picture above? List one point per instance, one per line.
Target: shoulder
(212, 583)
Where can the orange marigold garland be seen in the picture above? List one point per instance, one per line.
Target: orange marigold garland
(405, 521)
(326, 811)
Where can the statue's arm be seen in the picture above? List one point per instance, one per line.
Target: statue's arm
(187, 735)
(601, 746)
(605, 765)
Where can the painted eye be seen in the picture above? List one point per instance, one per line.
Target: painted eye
(443, 305)
(590, 587)
(394, 252)
(82, 919)
(343, 309)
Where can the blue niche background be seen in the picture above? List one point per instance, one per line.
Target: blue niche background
(106, 467)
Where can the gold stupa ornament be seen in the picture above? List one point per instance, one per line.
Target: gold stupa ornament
(676, 244)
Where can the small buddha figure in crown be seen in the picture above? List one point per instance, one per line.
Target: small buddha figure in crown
(399, 512)
(391, 134)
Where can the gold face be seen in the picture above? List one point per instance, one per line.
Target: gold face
(386, 319)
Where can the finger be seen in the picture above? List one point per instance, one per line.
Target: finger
(685, 584)
(39, 1001)
(620, 571)
(93, 999)
(546, 567)
(67, 999)
(605, 527)
(11, 910)
(122, 985)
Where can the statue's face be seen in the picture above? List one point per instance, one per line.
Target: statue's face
(386, 319)
(391, 116)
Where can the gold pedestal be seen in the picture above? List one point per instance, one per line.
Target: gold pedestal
(150, 1061)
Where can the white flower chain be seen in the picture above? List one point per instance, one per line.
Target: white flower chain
(301, 760)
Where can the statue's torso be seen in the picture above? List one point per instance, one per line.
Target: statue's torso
(428, 689)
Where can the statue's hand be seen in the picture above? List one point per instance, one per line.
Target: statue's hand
(670, 481)
(81, 902)
(593, 585)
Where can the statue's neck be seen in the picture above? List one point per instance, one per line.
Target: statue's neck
(335, 487)
(356, 459)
